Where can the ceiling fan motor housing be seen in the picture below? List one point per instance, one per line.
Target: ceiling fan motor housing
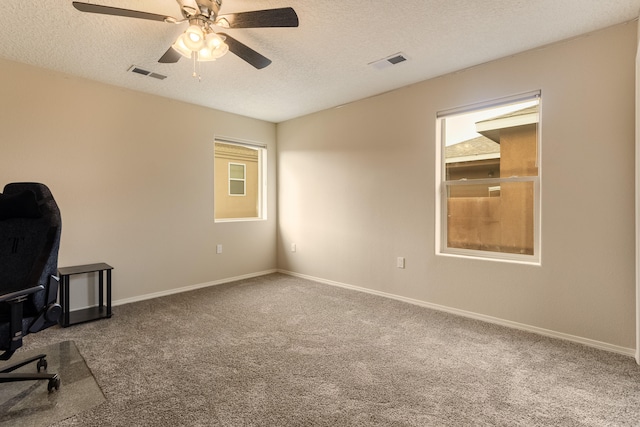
(208, 8)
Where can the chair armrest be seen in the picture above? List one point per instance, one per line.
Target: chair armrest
(15, 300)
(20, 293)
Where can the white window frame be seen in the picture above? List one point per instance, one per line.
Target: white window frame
(442, 185)
(243, 179)
(262, 177)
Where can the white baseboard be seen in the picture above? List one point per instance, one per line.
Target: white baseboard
(189, 288)
(515, 325)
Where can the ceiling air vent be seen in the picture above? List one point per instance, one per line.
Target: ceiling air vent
(143, 72)
(394, 59)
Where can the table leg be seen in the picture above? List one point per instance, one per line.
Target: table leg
(65, 303)
(108, 293)
(61, 299)
(100, 290)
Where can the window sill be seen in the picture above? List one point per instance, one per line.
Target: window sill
(491, 256)
(223, 220)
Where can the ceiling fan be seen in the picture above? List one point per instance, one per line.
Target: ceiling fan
(201, 41)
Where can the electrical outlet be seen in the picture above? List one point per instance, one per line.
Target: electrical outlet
(218, 248)
(293, 247)
(400, 262)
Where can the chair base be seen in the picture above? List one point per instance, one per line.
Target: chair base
(6, 375)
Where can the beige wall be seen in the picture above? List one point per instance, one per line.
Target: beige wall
(356, 189)
(134, 183)
(637, 197)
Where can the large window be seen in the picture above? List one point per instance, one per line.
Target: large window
(239, 181)
(489, 180)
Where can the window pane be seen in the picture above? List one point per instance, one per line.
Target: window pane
(495, 217)
(492, 143)
(236, 187)
(236, 171)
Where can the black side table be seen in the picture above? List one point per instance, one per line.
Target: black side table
(92, 313)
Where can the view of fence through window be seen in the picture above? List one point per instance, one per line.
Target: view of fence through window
(490, 176)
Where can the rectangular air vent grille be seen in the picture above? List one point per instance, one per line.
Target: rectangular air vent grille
(394, 59)
(397, 59)
(143, 72)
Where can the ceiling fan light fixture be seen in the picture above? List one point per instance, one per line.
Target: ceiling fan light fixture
(194, 38)
(222, 50)
(215, 47)
(205, 55)
(213, 41)
(180, 46)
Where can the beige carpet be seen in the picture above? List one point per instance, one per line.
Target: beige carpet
(282, 351)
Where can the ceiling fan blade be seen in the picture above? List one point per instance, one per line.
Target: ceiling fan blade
(246, 53)
(171, 56)
(108, 10)
(283, 17)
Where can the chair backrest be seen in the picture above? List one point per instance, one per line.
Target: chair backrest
(30, 229)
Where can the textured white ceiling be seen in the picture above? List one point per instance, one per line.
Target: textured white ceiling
(320, 64)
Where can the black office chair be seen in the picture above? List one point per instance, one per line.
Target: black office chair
(30, 227)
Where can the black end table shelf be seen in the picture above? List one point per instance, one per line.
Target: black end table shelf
(102, 311)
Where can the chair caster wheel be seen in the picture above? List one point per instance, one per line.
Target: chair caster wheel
(42, 363)
(53, 383)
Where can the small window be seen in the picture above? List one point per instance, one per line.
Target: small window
(239, 181)
(489, 179)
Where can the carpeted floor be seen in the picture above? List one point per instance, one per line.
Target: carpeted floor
(283, 351)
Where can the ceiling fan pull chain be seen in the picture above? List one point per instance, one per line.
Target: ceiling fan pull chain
(193, 55)
(197, 72)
